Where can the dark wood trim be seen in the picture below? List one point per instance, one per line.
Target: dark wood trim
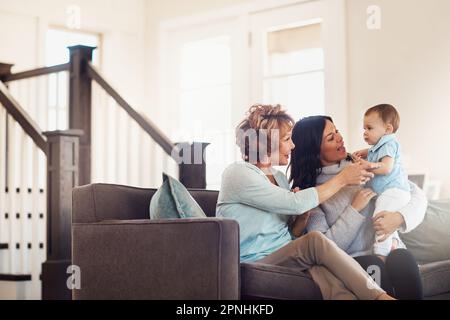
(146, 124)
(4, 246)
(62, 177)
(21, 116)
(192, 171)
(15, 277)
(36, 72)
(80, 110)
(5, 70)
(54, 278)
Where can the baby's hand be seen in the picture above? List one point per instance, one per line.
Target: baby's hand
(369, 165)
(361, 153)
(296, 189)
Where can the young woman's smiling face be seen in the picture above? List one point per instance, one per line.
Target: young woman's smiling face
(332, 150)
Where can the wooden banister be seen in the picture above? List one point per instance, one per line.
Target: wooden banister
(36, 72)
(23, 119)
(62, 177)
(145, 123)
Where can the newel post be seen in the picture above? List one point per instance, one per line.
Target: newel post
(192, 165)
(62, 177)
(5, 70)
(80, 111)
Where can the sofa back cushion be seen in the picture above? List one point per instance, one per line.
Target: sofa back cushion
(207, 199)
(173, 200)
(100, 201)
(430, 241)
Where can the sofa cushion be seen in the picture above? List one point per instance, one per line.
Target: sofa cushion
(207, 199)
(265, 281)
(173, 200)
(435, 278)
(430, 241)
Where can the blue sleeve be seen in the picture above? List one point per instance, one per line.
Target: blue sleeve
(389, 149)
(246, 186)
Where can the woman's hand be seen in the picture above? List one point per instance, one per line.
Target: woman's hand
(386, 222)
(357, 173)
(300, 223)
(362, 198)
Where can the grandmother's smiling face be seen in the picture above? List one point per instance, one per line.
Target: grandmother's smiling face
(281, 158)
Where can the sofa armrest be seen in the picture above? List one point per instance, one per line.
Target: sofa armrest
(265, 281)
(157, 259)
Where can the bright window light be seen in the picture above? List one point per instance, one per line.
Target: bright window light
(205, 100)
(56, 52)
(58, 40)
(294, 70)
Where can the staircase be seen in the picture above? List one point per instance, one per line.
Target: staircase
(39, 168)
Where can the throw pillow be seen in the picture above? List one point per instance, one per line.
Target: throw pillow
(172, 200)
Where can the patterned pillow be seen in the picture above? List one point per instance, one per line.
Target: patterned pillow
(172, 200)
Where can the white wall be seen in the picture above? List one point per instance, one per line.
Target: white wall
(406, 63)
(159, 12)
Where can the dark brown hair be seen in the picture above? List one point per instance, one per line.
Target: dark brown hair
(388, 114)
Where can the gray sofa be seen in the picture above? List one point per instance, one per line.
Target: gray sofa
(125, 255)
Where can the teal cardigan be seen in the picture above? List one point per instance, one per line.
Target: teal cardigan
(262, 209)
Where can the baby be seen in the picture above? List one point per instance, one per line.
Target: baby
(381, 122)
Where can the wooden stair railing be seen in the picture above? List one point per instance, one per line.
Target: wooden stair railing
(146, 124)
(22, 118)
(61, 149)
(191, 174)
(60, 182)
(35, 72)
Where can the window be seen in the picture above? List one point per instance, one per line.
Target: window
(200, 94)
(205, 99)
(57, 41)
(293, 55)
(56, 52)
(205, 86)
(294, 70)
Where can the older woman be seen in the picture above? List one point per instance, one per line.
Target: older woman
(259, 198)
(346, 218)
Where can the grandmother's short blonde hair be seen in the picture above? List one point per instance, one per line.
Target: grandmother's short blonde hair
(254, 133)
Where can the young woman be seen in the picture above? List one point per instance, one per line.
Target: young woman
(259, 198)
(346, 218)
